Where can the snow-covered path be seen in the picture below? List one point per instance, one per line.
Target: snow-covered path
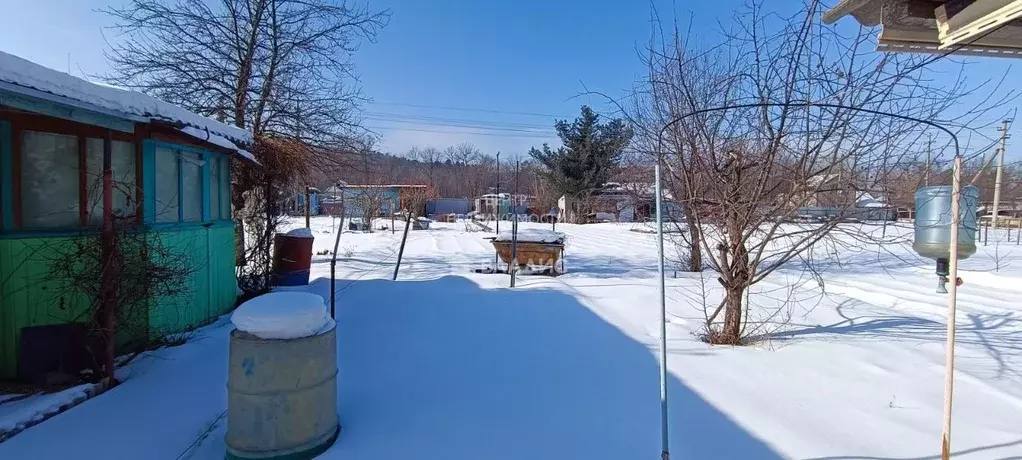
(447, 364)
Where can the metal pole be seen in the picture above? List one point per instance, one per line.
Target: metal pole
(308, 207)
(949, 379)
(1000, 170)
(514, 234)
(665, 450)
(109, 276)
(496, 216)
(401, 251)
(333, 265)
(497, 201)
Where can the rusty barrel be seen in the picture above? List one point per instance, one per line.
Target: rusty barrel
(292, 259)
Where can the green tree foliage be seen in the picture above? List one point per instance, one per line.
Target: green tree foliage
(590, 153)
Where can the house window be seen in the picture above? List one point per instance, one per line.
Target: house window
(49, 180)
(122, 166)
(62, 180)
(167, 196)
(225, 188)
(214, 189)
(190, 186)
(219, 188)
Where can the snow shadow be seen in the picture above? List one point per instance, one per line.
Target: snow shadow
(445, 369)
(993, 449)
(610, 266)
(999, 335)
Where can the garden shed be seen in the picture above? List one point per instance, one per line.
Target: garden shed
(171, 171)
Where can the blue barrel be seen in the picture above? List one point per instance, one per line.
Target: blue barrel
(281, 396)
(933, 222)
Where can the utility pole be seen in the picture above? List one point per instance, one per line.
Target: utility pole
(1000, 169)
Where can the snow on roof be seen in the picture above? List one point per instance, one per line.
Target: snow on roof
(533, 235)
(22, 72)
(217, 140)
(820, 179)
(867, 200)
(283, 315)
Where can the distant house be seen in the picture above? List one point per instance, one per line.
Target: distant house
(493, 204)
(614, 202)
(172, 170)
(392, 197)
(296, 204)
(443, 206)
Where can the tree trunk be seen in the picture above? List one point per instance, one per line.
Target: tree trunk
(738, 267)
(732, 332)
(695, 236)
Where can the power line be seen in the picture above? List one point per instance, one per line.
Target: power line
(496, 134)
(465, 109)
(397, 116)
(471, 126)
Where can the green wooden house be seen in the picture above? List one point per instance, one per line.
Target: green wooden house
(173, 172)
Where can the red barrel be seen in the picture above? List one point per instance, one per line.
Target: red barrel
(292, 258)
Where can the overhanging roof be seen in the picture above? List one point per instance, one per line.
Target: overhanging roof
(967, 27)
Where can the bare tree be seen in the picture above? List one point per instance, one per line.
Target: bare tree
(544, 193)
(459, 159)
(269, 66)
(429, 159)
(783, 118)
(367, 204)
(415, 199)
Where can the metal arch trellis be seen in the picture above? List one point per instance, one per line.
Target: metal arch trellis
(660, 137)
(665, 448)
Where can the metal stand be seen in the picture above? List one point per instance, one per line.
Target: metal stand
(401, 251)
(333, 267)
(665, 448)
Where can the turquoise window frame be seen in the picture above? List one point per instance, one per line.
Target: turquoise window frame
(6, 177)
(149, 147)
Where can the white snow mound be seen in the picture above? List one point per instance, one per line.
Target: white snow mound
(300, 233)
(533, 235)
(283, 315)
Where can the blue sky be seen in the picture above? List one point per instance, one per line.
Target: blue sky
(498, 57)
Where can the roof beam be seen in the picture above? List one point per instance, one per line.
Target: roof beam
(925, 41)
(973, 21)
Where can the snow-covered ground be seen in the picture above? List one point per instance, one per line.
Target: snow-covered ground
(446, 364)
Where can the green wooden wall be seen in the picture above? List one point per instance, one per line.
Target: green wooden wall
(29, 297)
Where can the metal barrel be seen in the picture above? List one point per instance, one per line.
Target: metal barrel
(933, 222)
(292, 259)
(281, 396)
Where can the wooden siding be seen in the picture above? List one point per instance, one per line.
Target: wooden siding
(30, 298)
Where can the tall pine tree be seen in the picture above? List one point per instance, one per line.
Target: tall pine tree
(590, 153)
